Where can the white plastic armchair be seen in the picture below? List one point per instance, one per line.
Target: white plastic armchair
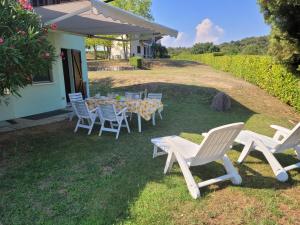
(214, 147)
(108, 113)
(73, 97)
(133, 95)
(157, 96)
(283, 140)
(86, 118)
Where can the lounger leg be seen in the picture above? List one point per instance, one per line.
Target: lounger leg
(236, 178)
(169, 163)
(278, 170)
(297, 150)
(154, 151)
(191, 184)
(246, 150)
(159, 113)
(101, 129)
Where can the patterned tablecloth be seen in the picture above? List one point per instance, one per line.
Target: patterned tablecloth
(145, 108)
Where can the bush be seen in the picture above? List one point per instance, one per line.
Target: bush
(136, 62)
(24, 48)
(262, 71)
(218, 53)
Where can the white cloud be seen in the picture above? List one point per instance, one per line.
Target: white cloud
(207, 31)
(182, 40)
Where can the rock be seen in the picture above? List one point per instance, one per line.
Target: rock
(221, 102)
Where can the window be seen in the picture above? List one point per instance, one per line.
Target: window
(139, 49)
(43, 78)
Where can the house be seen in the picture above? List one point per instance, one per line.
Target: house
(75, 20)
(138, 46)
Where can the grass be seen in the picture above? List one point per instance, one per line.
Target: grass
(49, 175)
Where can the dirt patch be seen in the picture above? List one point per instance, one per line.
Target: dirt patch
(225, 206)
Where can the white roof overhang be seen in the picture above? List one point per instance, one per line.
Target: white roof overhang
(98, 18)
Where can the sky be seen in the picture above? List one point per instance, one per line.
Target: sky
(214, 21)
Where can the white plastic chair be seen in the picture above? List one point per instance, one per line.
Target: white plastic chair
(214, 147)
(282, 140)
(157, 96)
(73, 98)
(108, 113)
(133, 95)
(86, 117)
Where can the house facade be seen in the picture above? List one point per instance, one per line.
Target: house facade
(75, 20)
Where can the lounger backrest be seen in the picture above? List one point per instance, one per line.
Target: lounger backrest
(157, 96)
(291, 140)
(217, 142)
(107, 112)
(75, 97)
(133, 95)
(81, 109)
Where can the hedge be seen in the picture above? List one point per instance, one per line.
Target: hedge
(259, 70)
(136, 62)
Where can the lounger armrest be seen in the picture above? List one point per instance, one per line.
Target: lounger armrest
(204, 134)
(122, 111)
(281, 129)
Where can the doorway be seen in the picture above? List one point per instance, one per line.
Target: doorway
(71, 60)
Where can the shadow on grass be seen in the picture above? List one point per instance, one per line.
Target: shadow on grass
(69, 178)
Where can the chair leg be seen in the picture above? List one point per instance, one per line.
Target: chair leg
(246, 150)
(127, 125)
(153, 119)
(77, 125)
(159, 113)
(119, 128)
(101, 128)
(191, 184)
(91, 126)
(169, 163)
(236, 178)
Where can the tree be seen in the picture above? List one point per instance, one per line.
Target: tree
(201, 48)
(159, 51)
(283, 16)
(24, 49)
(139, 7)
(105, 43)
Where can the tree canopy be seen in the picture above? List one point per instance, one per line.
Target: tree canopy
(24, 49)
(201, 48)
(284, 18)
(139, 7)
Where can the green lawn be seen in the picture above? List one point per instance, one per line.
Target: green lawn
(49, 175)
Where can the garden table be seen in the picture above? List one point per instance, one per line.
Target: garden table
(145, 108)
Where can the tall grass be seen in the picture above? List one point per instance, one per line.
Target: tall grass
(262, 71)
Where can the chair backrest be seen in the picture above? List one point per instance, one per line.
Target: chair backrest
(81, 109)
(107, 112)
(133, 95)
(157, 96)
(75, 97)
(292, 140)
(217, 142)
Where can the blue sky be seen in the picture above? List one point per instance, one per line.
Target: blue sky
(209, 20)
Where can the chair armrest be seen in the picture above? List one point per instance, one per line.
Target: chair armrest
(122, 111)
(281, 129)
(93, 110)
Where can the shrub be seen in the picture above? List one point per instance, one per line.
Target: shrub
(136, 62)
(24, 48)
(262, 71)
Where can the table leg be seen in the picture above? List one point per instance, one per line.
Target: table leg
(139, 123)
(153, 119)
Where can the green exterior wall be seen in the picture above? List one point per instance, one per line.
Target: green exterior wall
(45, 97)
